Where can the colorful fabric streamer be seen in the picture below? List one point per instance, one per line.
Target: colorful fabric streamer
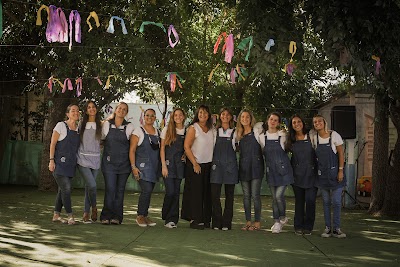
(229, 52)
(98, 80)
(109, 81)
(110, 28)
(93, 15)
(74, 15)
(67, 84)
(233, 75)
(377, 64)
(269, 44)
(172, 77)
(108, 109)
(39, 15)
(218, 42)
(51, 81)
(63, 26)
(289, 68)
(172, 30)
(144, 23)
(242, 46)
(292, 49)
(79, 85)
(212, 73)
(242, 72)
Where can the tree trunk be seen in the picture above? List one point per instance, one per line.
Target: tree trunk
(381, 145)
(391, 206)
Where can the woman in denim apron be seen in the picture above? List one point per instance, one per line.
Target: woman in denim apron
(251, 168)
(144, 155)
(115, 164)
(279, 170)
(63, 149)
(89, 157)
(330, 179)
(173, 165)
(224, 170)
(304, 170)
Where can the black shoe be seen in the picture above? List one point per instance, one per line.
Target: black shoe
(298, 231)
(307, 232)
(207, 225)
(195, 225)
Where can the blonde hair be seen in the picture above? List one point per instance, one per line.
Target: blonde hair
(170, 136)
(325, 123)
(112, 116)
(239, 126)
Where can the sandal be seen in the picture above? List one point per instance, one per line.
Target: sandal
(114, 221)
(71, 221)
(254, 228)
(58, 219)
(246, 227)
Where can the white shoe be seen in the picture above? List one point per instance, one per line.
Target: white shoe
(170, 225)
(338, 233)
(283, 221)
(225, 229)
(327, 232)
(276, 228)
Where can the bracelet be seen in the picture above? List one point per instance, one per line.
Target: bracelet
(51, 158)
(340, 168)
(134, 167)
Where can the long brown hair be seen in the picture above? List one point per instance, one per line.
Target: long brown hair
(196, 116)
(231, 122)
(239, 126)
(85, 119)
(170, 136)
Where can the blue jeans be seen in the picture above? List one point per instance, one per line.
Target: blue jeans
(332, 198)
(304, 211)
(170, 209)
(145, 196)
(251, 191)
(63, 197)
(90, 186)
(114, 196)
(278, 201)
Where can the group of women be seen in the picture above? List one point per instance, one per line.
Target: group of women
(206, 157)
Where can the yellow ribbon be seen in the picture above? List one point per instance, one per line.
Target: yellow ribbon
(376, 58)
(212, 73)
(39, 15)
(292, 49)
(59, 82)
(238, 71)
(108, 81)
(93, 14)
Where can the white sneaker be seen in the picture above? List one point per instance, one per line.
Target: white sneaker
(283, 221)
(338, 233)
(170, 225)
(327, 232)
(276, 228)
(225, 228)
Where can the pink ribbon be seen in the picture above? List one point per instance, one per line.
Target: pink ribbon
(377, 67)
(63, 26)
(172, 30)
(50, 84)
(229, 48)
(74, 15)
(290, 68)
(78, 87)
(233, 76)
(98, 80)
(67, 83)
(217, 43)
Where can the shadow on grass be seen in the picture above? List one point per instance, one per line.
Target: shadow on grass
(28, 237)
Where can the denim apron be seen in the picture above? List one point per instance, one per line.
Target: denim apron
(279, 170)
(148, 159)
(173, 158)
(65, 153)
(328, 164)
(224, 168)
(251, 165)
(116, 151)
(304, 163)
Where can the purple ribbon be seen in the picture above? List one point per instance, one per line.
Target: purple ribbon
(74, 15)
(176, 36)
(67, 84)
(78, 87)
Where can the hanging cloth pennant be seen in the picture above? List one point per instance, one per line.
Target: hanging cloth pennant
(172, 30)
(1, 20)
(53, 25)
(67, 84)
(218, 42)
(377, 64)
(292, 49)
(242, 46)
(110, 28)
(108, 109)
(233, 75)
(289, 68)
(51, 81)
(229, 48)
(269, 44)
(144, 23)
(74, 15)
(93, 15)
(98, 80)
(212, 73)
(172, 77)
(108, 81)
(79, 86)
(39, 15)
(242, 72)
(62, 26)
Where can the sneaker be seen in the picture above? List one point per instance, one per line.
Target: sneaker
(195, 225)
(114, 221)
(215, 228)
(298, 231)
(140, 220)
(86, 218)
(170, 225)
(327, 232)
(338, 233)
(307, 232)
(149, 222)
(283, 221)
(105, 222)
(276, 228)
(225, 229)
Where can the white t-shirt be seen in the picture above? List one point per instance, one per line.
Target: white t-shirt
(272, 136)
(336, 140)
(222, 133)
(178, 131)
(139, 133)
(203, 145)
(61, 129)
(106, 128)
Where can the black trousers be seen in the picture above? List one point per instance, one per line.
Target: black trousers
(219, 219)
(196, 199)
